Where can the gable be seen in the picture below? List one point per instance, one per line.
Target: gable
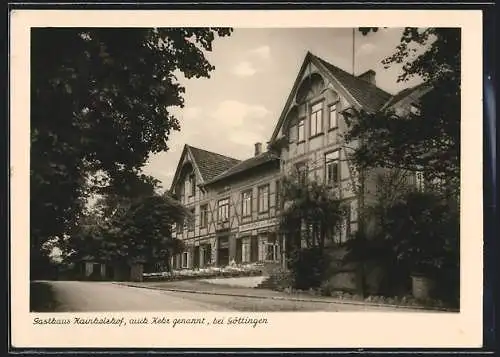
(185, 163)
(350, 90)
(311, 82)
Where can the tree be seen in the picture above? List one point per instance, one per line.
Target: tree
(312, 215)
(429, 139)
(100, 103)
(140, 230)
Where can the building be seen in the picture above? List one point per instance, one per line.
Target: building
(234, 205)
(235, 202)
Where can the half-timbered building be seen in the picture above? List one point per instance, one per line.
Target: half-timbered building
(235, 203)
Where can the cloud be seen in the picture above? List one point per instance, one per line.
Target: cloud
(191, 112)
(244, 137)
(234, 114)
(230, 128)
(244, 69)
(263, 52)
(366, 49)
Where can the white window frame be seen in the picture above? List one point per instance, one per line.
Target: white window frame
(223, 214)
(275, 252)
(203, 216)
(246, 203)
(263, 200)
(316, 119)
(420, 180)
(302, 172)
(292, 133)
(332, 117)
(301, 130)
(335, 159)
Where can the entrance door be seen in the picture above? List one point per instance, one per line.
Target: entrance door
(223, 251)
(196, 257)
(239, 251)
(207, 255)
(254, 249)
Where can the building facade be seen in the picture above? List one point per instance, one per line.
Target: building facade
(236, 204)
(234, 209)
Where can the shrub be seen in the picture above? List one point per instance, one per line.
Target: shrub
(308, 267)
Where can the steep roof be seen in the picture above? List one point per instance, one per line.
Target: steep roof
(367, 94)
(248, 164)
(403, 94)
(211, 164)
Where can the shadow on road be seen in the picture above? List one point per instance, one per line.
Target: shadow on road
(42, 297)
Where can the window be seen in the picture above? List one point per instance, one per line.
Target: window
(192, 185)
(223, 210)
(316, 121)
(292, 133)
(246, 203)
(184, 259)
(333, 117)
(301, 172)
(180, 227)
(263, 198)
(332, 168)
(192, 220)
(271, 249)
(420, 180)
(245, 249)
(272, 252)
(277, 194)
(203, 216)
(301, 131)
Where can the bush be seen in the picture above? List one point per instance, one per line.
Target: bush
(308, 267)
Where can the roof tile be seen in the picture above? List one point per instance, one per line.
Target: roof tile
(248, 164)
(368, 95)
(210, 163)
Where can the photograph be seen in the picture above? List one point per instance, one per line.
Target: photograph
(240, 169)
(246, 179)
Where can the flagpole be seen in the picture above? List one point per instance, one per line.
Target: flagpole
(353, 49)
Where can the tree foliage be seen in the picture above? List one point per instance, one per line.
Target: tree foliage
(424, 230)
(100, 103)
(429, 139)
(312, 214)
(312, 217)
(138, 230)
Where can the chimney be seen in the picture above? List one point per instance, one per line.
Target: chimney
(368, 76)
(258, 148)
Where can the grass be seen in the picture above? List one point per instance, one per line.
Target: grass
(42, 297)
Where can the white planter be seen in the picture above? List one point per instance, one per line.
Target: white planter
(422, 287)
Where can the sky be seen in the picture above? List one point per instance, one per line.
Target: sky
(255, 69)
